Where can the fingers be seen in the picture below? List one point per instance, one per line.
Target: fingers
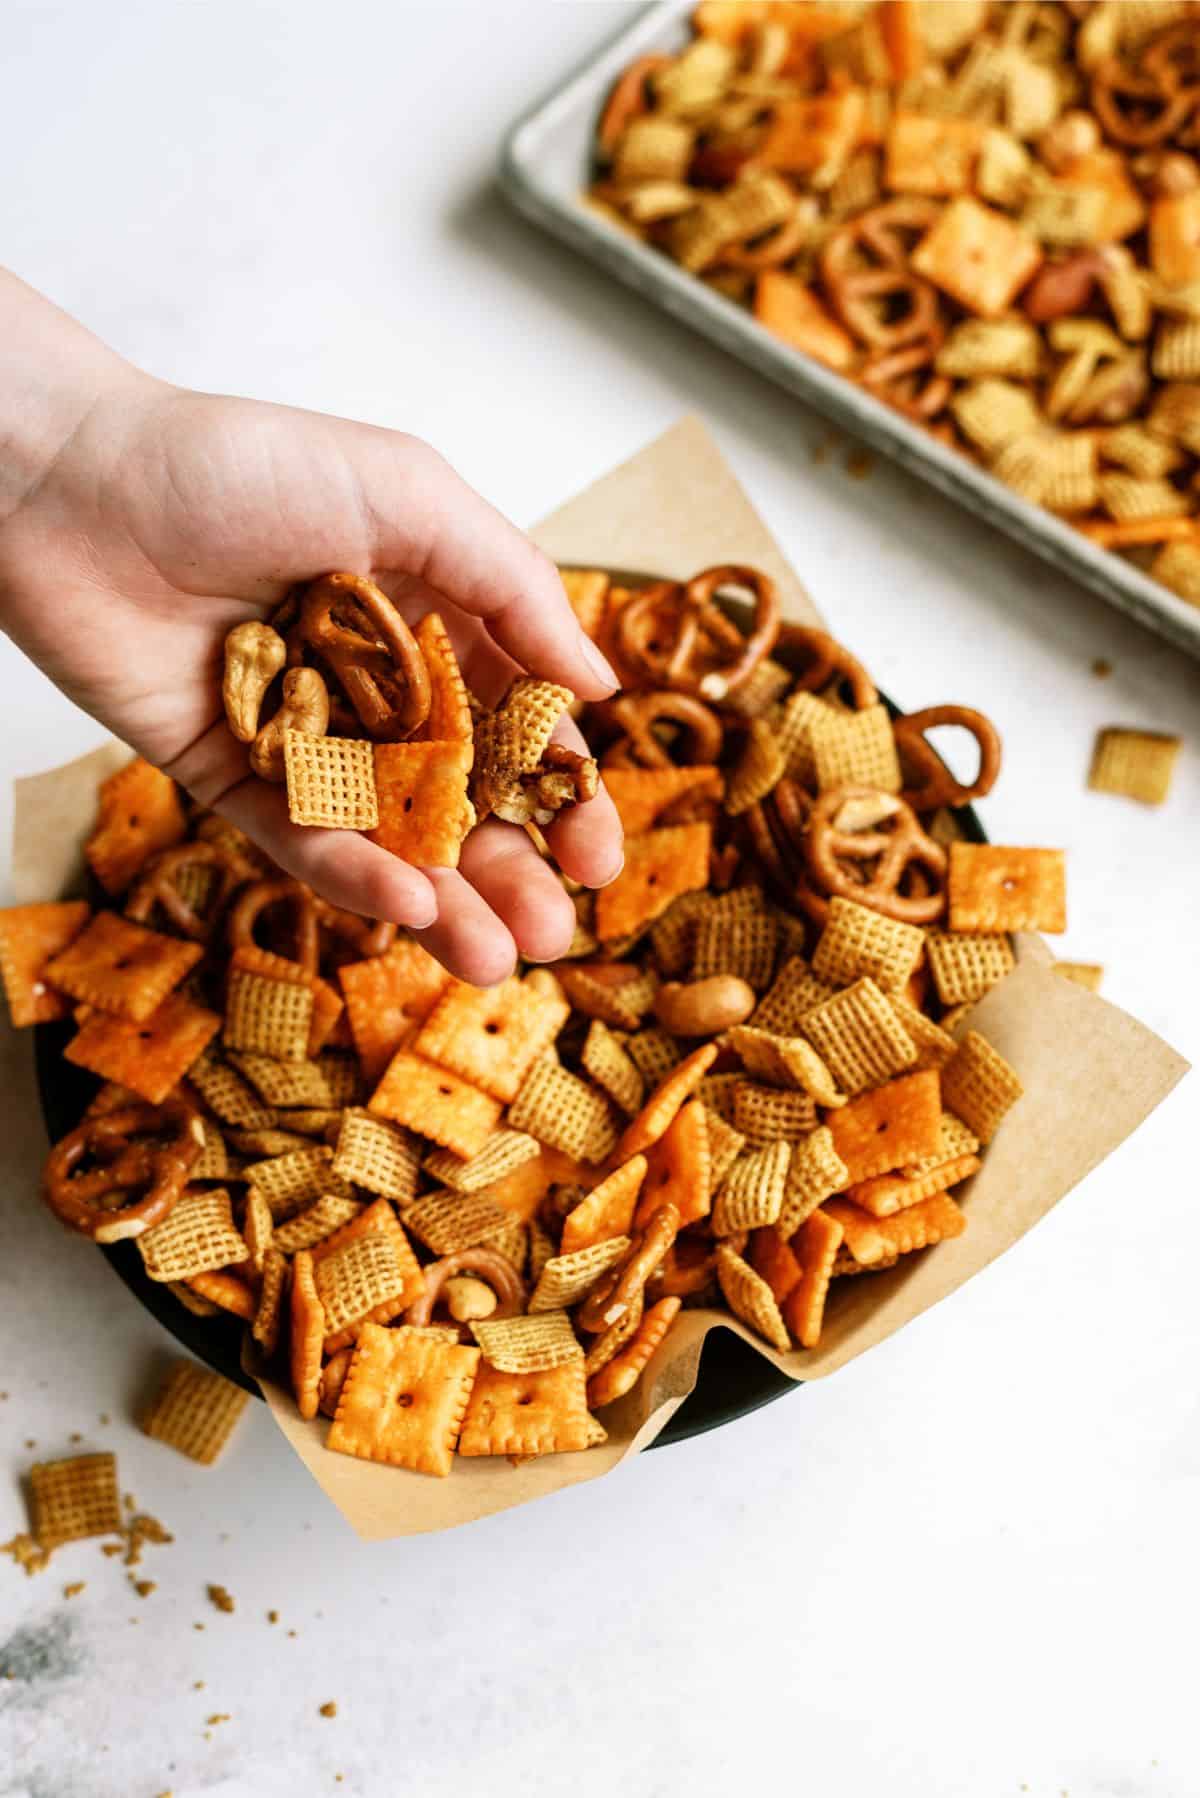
(524, 891)
(468, 937)
(429, 523)
(587, 841)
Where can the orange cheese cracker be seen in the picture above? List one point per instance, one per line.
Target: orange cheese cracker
(424, 812)
(139, 812)
(815, 1244)
(307, 1335)
(641, 794)
(996, 888)
(889, 1127)
(435, 1103)
(659, 867)
(449, 719)
(679, 1168)
(150, 1057)
(543, 1413)
(491, 1036)
(660, 1109)
(121, 967)
(607, 1211)
(386, 997)
(403, 1400)
(30, 936)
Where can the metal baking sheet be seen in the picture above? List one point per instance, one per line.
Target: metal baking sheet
(545, 166)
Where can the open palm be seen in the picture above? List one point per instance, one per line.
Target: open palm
(169, 516)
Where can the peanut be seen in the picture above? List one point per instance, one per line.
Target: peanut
(305, 707)
(1062, 288)
(1073, 135)
(467, 1298)
(704, 1007)
(254, 654)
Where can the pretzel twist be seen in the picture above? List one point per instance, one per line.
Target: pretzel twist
(700, 733)
(489, 1265)
(145, 1148)
(895, 846)
(676, 636)
(357, 633)
(623, 1286)
(157, 886)
(931, 782)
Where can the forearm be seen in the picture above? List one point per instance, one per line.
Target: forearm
(52, 371)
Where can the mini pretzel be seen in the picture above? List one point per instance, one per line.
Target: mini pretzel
(488, 1265)
(683, 1279)
(829, 662)
(253, 900)
(364, 937)
(148, 1148)
(903, 378)
(622, 1287)
(157, 885)
(700, 734)
(895, 846)
(359, 635)
(627, 101)
(678, 637)
(932, 782)
(864, 267)
(1141, 108)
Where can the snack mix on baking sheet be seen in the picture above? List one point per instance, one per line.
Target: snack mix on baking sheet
(988, 215)
(463, 1220)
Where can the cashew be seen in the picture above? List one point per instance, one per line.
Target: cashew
(254, 654)
(1073, 135)
(704, 1007)
(1061, 289)
(305, 707)
(467, 1298)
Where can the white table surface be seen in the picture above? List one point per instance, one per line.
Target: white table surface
(964, 1566)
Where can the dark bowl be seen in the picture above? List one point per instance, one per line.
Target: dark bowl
(732, 1379)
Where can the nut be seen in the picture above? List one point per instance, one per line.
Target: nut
(704, 1007)
(1176, 174)
(305, 707)
(1062, 289)
(254, 654)
(467, 1298)
(1074, 135)
(333, 1375)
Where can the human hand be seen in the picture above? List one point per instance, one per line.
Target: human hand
(166, 517)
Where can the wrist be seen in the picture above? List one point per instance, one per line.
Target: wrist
(53, 372)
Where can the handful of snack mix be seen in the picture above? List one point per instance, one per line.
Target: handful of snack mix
(988, 215)
(371, 726)
(465, 1220)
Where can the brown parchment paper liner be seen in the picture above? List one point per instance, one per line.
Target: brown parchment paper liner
(1091, 1073)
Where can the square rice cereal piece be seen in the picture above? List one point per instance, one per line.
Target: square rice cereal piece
(654, 1053)
(196, 1237)
(859, 1038)
(121, 967)
(139, 812)
(564, 1112)
(660, 1109)
(449, 1221)
(315, 1224)
(424, 811)
(768, 1114)
(269, 1017)
(995, 888)
(364, 1279)
(194, 1411)
(1088, 974)
(565, 1279)
(752, 1193)
(268, 1313)
(327, 1007)
(927, 155)
(74, 1498)
(380, 1156)
(435, 1103)
(659, 868)
(934, 1045)
(978, 256)
(612, 1068)
(527, 1344)
(725, 1144)
(1135, 763)
(30, 936)
(797, 990)
(502, 1154)
(286, 1085)
(290, 1182)
(152, 1057)
(330, 781)
(760, 766)
(889, 1127)
(964, 968)
(979, 1086)
(225, 1092)
(386, 998)
(815, 1172)
(750, 1298)
(739, 940)
(858, 942)
(527, 1413)
(491, 1036)
(403, 1400)
(856, 749)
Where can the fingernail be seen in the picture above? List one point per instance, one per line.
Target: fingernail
(598, 664)
(607, 882)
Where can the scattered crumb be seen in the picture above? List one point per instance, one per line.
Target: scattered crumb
(224, 1536)
(112, 1548)
(219, 1717)
(197, 1626)
(859, 464)
(31, 1441)
(74, 1589)
(104, 1417)
(130, 1502)
(1101, 668)
(75, 1436)
(3, 1395)
(26, 1552)
(272, 1616)
(329, 1710)
(135, 1620)
(220, 1597)
(142, 1529)
(291, 1632)
(143, 1587)
(197, 1685)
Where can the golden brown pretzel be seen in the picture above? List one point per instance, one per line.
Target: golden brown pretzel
(358, 634)
(678, 637)
(865, 271)
(253, 900)
(895, 846)
(931, 783)
(495, 1269)
(627, 101)
(157, 886)
(827, 661)
(622, 1287)
(150, 1148)
(1142, 107)
(700, 732)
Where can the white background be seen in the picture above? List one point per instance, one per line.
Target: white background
(965, 1566)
